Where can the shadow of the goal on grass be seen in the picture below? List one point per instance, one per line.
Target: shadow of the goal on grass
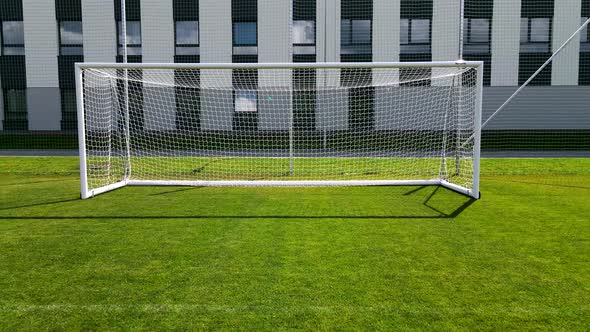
(250, 203)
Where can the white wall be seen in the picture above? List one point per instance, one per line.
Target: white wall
(331, 107)
(386, 47)
(445, 30)
(386, 30)
(274, 33)
(505, 42)
(328, 26)
(99, 30)
(446, 26)
(157, 31)
(567, 19)
(157, 41)
(274, 45)
(216, 31)
(41, 51)
(216, 47)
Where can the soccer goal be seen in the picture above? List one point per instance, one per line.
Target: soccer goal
(291, 124)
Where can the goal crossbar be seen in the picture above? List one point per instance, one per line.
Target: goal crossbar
(112, 157)
(279, 65)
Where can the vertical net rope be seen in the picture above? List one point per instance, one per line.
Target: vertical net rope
(243, 125)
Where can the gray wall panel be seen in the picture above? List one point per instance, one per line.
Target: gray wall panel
(217, 109)
(539, 108)
(44, 106)
(407, 108)
(274, 109)
(159, 107)
(332, 109)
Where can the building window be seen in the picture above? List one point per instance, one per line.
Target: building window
(15, 109)
(246, 101)
(70, 38)
(535, 35)
(68, 109)
(477, 34)
(187, 38)
(245, 38)
(356, 36)
(584, 37)
(415, 36)
(304, 37)
(133, 37)
(13, 38)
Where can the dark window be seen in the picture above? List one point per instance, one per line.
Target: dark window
(245, 83)
(15, 109)
(304, 80)
(188, 99)
(245, 34)
(304, 10)
(535, 35)
(132, 10)
(584, 38)
(584, 78)
(415, 36)
(356, 36)
(13, 38)
(529, 63)
(477, 32)
(68, 109)
(304, 99)
(133, 37)
(245, 38)
(304, 37)
(70, 38)
(187, 38)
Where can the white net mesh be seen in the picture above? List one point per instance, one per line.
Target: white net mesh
(280, 125)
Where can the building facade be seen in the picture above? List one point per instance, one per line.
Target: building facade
(42, 39)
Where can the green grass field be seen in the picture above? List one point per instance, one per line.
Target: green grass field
(385, 258)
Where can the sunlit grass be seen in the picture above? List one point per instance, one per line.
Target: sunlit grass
(368, 258)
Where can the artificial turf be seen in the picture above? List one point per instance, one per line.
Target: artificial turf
(389, 258)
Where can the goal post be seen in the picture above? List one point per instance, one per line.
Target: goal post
(279, 124)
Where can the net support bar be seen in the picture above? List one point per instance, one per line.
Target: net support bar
(459, 189)
(304, 183)
(104, 189)
(294, 184)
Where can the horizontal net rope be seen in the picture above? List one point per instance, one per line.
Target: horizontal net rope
(281, 125)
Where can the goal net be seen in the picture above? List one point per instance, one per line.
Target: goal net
(324, 124)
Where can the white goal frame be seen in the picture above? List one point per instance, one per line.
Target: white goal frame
(472, 192)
